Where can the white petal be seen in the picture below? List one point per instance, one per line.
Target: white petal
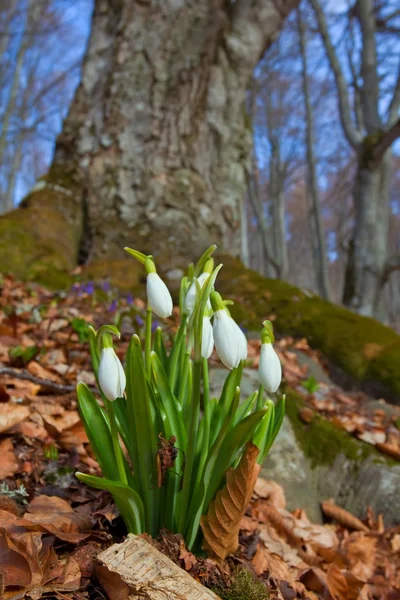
(112, 378)
(227, 341)
(269, 370)
(203, 278)
(207, 341)
(242, 342)
(190, 299)
(158, 296)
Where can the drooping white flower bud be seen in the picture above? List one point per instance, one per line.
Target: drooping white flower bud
(191, 295)
(158, 296)
(207, 340)
(269, 369)
(229, 339)
(243, 343)
(112, 378)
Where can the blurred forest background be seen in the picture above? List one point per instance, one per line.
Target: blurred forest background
(322, 207)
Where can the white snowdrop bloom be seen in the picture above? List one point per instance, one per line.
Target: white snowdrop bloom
(243, 343)
(191, 295)
(207, 340)
(228, 338)
(112, 378)
(269, 369)
(158, 296)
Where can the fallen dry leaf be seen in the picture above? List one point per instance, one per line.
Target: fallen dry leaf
(221, 524)
(342, 584)
(11, 414)
(9, 463)
(342, 516)
(271, 491)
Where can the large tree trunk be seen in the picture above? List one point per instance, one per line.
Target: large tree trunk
(367, 260)
(156, 135)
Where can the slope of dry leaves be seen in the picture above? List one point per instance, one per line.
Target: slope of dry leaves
(52, 527)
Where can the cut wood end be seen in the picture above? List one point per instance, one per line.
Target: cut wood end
(136, 569)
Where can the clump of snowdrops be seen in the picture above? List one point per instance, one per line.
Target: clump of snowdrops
(163, 444)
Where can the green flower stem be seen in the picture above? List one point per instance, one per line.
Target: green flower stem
(147, 347)
(115, 441)
(176, 352)
(260, 398)
(206, 424)
(184, 378)
(191, 449)
(206, 401)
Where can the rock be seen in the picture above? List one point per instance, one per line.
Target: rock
(287, 465)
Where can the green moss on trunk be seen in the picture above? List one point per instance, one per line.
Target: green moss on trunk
(363, 347)
(39, 241)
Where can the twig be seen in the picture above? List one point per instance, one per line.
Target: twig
(56, 387)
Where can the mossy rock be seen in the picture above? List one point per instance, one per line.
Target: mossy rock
(361, 346)
(39, 241)
(322, 442)
(317, 461)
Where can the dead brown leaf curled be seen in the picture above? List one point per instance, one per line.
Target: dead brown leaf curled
(221, 524)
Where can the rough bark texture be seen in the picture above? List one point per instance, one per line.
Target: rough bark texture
(366, 262)
(135, 569)
(157, 135)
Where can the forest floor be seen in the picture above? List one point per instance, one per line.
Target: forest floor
(52, 527)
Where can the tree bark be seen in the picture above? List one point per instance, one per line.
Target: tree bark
(156, 137)
(318, 245)
(367, 260)
(367, 255)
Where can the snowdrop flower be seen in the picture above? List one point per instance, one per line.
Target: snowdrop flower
(191, 295)
(158, 295)
(228, 338)
(207, 340)
(269, 369)
(112, 378)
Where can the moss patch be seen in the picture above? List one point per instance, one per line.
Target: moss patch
(363, 347)
(40, 240)
(322, 442)
(245, 586)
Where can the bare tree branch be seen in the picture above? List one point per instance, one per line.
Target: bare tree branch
(392, 264)
(369, 71)
(353, 135)
(394, 106)
(386, 141)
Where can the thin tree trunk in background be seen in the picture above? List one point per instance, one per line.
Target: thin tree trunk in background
(245, 252)
(318, 245)
(156, 137)
(367, 257)
(277, 201)
(26, 38)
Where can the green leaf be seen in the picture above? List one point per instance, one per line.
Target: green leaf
(245, 408)
(203, 259)
(136, 254)
(142, 428)
(159, 348)
(97, 430)
(227, 396)
(233, 442)
(127, 500)
(94, 351)
(170, 404)
(199, 498)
